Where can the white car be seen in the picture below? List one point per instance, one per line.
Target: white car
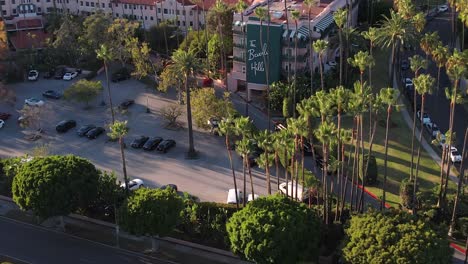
(231, 199)
(134, 184)
(442, 8)
(432, 129)
(332, 63)
(301, 192)
(455, 155)
(34, 102)
(2, 123)
(70, 75)
(408, 82)
(252, 197)
(426, 118)
(33, 75)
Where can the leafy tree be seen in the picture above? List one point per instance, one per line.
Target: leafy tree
(152, 212)
(55, 185)
(206, 104)
(95, 33)
(394, 237)
(214, 53)
(8, 169)
(65, 40)
(196, 42)
(83, 91)
(140, 56)
(158, 43)
(122, 31)
(275, 229)
(171, 113)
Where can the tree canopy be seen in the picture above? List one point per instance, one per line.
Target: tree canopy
(275, 229)
(83, 91)
(394, 237)
(55, 185)
(205, 105)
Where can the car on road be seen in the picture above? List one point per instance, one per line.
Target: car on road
(70, 76)
(2, 123)
(231, 198)
(170, 185)
(442, 8)
(165, 145)
(34, 102)
(4, 116)
(65, 125)
(139, 141)
(441, 139)
(408, 82)
(125, 104)
(152, 143)
(291, 190)
(432, 129)
(95, 132)
(33, 75)
(85, 129)
(134, 184)
(405, 65)
(426, 118)
(120, 75)
(52, 94)
(455, 156)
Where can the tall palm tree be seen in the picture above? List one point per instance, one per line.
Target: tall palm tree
(371, 35)
(393, 31)
(242, 127)
(429, 42)
(188, 64)
(310, 4)
(265, 141)
(308, 111)
(346, 136)
(118, 130)
(245, 148)
(320, 46)
(389, 97)
(226, 128)
(440, 56)
(362, 60)
(340, 17)
(105, 55)
(298, 128)
(423, 84)
(295, 14)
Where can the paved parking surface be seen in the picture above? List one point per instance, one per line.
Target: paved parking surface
(208, 177)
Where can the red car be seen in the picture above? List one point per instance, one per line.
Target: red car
(207, 82)
(4, 116)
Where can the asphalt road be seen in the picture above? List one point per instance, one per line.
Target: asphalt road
(437, 104)
(24, 243)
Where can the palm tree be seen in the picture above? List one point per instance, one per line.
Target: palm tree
(187, 64)
(298, 128)
(423, 84)
(105, 55)
(265, 141)
(308, 111)
(428, 43)
(440, 56)
(310, 4)
(220, 8)
(320, 46)
(371, 35)
(346, 136)
(389, 97)
(295, 16)
(340, 16)
(242, 127)
(118, 130)
(226, 128)
(362, 60)
(325, 134)
(245, 148)
(393, 31)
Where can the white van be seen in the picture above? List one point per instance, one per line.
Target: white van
(231, 199)
(301, 192)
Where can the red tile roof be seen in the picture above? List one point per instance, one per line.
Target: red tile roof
(21, 39)
(207, 4)
(29, 23)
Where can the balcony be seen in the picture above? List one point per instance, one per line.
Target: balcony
(239, 59)
(238, 45)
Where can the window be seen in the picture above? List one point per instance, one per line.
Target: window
(116, 5)
(191, 13)
(92, 4)
(110, 5)
(134, 6)
(2, 2)
(87, 3)
(145, 7)
(159, 20)
(48, 1)
(125, 6)
(39, 10)
(177, 12)
(191, 23)
(141, 17)
(13, 2)
(178, 23)
(141, 7)
(183, 12)
(103, 5)
(117, 14)
(151, 18)
(165, 10)
(183, 23)
(151, 7)
(4, 12)
(243, 69)
(14, 10)
(81, 3)
(67, 1)
(159, 10)
(38, 1)
(146, 18)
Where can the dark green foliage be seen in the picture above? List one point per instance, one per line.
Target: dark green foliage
(371, 175)
(109, 196)
(196, 42)
(287, 105)
(278, 91)
(151, 212)
(156, 37)
(394, 237)
(55, 185)
(8, 170)
(206, 223)
(406, 193)
(275, 229)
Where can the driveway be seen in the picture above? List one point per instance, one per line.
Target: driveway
(208, 177)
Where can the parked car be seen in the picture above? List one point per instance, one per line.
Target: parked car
(34, 102)
(432, 129)
(125, 104)
(4, 116)
(407, 82)
(2, 123)
(152, 143)
(252, 197)
(405, 65)
(33, 75)
(65, 125)
(291, 189)
(70, 76)
(170, 185)
(426, 118)
(48, 74)
(165, 145)
(134, 184)
(139, 141)
(120, 75)
(455, 155)
(52, 94)
(442, 8)
(231, 198)
(85, 129)
(59, 72)
(95, 132)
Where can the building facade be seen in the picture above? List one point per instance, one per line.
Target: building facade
(252, 39)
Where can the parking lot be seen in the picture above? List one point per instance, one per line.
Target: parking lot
(208, 177)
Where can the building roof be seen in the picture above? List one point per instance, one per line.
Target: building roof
(29, 23)
(206, 4)
(27, 39)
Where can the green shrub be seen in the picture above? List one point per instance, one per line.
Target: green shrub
(8, 170)
(406, 194)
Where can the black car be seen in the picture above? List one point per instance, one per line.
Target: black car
(52, 94)
(173, 186)
(95, 132)
(125, 104)
(152, 143)
(85, 129)
(59, 73)
(139, 141)
(120, 75)
(165, 145)
(48, 74)
(65, 125)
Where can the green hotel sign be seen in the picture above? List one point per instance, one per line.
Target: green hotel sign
(257, 48)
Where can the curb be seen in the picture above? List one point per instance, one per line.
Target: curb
(458, 248)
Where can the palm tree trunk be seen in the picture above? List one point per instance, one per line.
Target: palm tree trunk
(293, 172)
(413, 132)
(423, 99)
(441, 188)
(340, 34)
(370, 66)
(124, 165)
(277, 169)
(392, 69)
(359, 164)
(267, 171)
(452, 114)
(191, 151)
(109, 93)
(344, 187)
(321, 71)
(460, 185)
(382, 205)
(228, 148)
(286, 169)
(371, 143)
(302, 164)
(244, 198)
(356, 144)
(251, 180)
(325, 185)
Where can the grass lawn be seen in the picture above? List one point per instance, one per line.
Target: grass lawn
(399, 150)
